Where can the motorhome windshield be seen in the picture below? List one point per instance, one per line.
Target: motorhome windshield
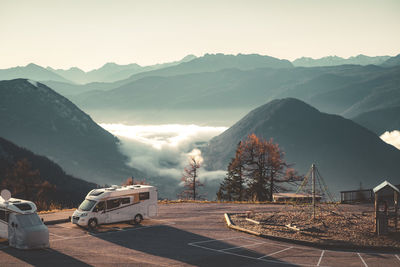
(87, 205)
(28, 220)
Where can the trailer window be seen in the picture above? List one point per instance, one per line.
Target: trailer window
(27, 220)
(144, 196)
(125, 200)
(96, 192)
(4, 215)
(87, 205)
(99, 207)
(113, 203)
(23, 206)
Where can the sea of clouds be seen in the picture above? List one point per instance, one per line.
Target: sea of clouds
(163, 151)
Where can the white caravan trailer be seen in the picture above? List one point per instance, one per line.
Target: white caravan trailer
(116, 204)
(20, 224)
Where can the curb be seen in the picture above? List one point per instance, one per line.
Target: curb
(231, 225)
(57, 221)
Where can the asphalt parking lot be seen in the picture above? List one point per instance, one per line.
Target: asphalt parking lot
(182, 235)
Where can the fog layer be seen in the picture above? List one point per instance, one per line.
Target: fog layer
(163, 151)
(392, 138)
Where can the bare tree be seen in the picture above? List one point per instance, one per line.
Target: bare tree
(190, 180)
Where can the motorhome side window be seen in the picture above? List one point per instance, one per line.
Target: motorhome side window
(144, 195)
(99, 207)
(113, 203)
(125, 200)
(3, 215)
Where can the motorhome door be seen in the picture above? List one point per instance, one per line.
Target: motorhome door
(100, 212)
(3, 224)
(152, 210)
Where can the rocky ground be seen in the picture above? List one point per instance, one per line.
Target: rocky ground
(348, 225)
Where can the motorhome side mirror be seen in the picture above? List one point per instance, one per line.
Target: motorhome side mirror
(42, 220)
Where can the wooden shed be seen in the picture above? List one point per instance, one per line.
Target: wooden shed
(386, 206)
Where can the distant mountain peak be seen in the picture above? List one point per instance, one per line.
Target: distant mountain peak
(33, 65)
(346, 152)
(31, 71)
(288, 105)
(336, 60)
(109, 64)
(188, 58)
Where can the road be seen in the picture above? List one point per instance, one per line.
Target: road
(188, 234)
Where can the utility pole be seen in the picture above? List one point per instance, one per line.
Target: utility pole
(313, 188)
(194, 180)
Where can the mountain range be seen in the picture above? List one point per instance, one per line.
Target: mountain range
(39, 119)
(226, 95)
(393, 61)
(344, 152)
(217, 90)
(189, 65)
(111, 72)
(31, 71)
(380, 120)
(335, 61)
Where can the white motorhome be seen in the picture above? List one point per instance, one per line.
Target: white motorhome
(116, 204)
(20, 224)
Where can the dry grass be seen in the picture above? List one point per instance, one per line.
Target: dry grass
(54, 210)
(332, 226)
(167, 201)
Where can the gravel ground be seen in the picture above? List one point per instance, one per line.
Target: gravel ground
(334, 225)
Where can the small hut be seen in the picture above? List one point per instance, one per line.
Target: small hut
(386, 206)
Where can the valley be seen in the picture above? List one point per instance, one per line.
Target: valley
(145, 126)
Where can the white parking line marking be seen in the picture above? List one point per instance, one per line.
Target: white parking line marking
(214, 240)
(320, 258)
(67, 227)
(365, 264)
(57, 235)
(276, 252)
(105, 233)
(248, 257)
(244, 246)
(397, 257)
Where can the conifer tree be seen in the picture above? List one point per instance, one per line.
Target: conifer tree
(257, 171)
(233, 186)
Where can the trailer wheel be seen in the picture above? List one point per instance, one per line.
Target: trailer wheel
(138, 219)
(92, 224)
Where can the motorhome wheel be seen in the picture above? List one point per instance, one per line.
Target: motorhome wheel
(92, 223)
(138, 218)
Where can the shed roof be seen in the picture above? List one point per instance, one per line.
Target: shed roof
(384, 184)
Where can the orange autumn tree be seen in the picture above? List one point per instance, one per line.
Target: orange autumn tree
(257, 171)
(25, 182)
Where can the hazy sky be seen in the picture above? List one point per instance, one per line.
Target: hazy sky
(88, 34)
